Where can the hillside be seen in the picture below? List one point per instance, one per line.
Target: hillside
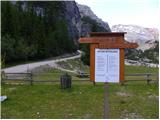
(145, 37)
(86, 11)
(42, 29)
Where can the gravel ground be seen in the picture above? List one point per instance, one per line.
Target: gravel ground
(30, 66)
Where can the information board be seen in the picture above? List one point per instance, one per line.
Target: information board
(107, 65)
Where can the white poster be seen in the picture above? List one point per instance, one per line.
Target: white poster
(107, 65)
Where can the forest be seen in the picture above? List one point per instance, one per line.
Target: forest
(30, 32)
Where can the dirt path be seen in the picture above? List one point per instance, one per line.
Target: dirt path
(30, 66)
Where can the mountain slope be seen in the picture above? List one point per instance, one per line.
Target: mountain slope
(145, 37)
(42, 29)
(86, 11)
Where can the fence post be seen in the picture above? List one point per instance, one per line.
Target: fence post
(2, 76)
(148, 78)
(31, 78)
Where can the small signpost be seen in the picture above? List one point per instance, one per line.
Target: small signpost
(107, 59)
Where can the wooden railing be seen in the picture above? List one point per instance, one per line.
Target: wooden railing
(29, 77)
(148, 77)
(25, 77)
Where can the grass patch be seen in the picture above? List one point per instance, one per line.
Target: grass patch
(55, 75)
(49, 101)
(140, 69)
(81, 101)
(74, 64)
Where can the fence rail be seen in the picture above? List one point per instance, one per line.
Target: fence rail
(141, 74)
(148, 77)
(29, 77)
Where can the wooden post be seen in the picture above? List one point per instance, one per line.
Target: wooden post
(122, 66)
(2, 76)
(148, 78)
(106, 101)
(92, 62)
(31, 78)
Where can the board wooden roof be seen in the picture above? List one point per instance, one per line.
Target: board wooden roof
(108, 40)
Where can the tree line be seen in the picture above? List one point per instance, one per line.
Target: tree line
(149, 55)
(33, 30)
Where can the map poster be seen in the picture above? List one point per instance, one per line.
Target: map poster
(107, 65)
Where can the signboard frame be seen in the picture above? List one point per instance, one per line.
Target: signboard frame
(92, 62)
(107, 40)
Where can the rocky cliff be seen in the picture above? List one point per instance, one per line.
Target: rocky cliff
(86, 11)
(73, 19)
(145, 37)
(73, 13)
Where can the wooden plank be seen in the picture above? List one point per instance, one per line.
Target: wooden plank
(109, 42)
(122, 66)
(122, 45)
(141, 74)
(16, 80)
(46, 81)
(107, 34)
(135, 80)
(92, 61)
(17, 73)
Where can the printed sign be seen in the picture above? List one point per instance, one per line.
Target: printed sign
(107, 65)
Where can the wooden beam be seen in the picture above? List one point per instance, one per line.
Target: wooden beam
(108, 42)
(92, 61)
(106, 34)
(122, 66)
(122, 45)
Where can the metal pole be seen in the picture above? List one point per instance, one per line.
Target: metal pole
(106, 101)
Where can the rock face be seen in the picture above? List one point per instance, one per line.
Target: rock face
(86, 11)
(145, 37)
(73, 14)
(73, 18)
(154, 32)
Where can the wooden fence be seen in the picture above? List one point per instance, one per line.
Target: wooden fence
(15, 77)
(148, 77)
(29, 77)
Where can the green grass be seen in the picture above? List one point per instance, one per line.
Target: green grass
(134, 101)
(75, 64)
(140, 69)
(81, 101)
(55, 74)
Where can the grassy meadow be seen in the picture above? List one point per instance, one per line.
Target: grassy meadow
(81, 101)
(84, 100)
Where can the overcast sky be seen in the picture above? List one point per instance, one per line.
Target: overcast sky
(139, 12)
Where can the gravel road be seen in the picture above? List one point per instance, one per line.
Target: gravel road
(25, 67)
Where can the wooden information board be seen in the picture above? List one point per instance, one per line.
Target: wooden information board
(107, 65)
(104, 41)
